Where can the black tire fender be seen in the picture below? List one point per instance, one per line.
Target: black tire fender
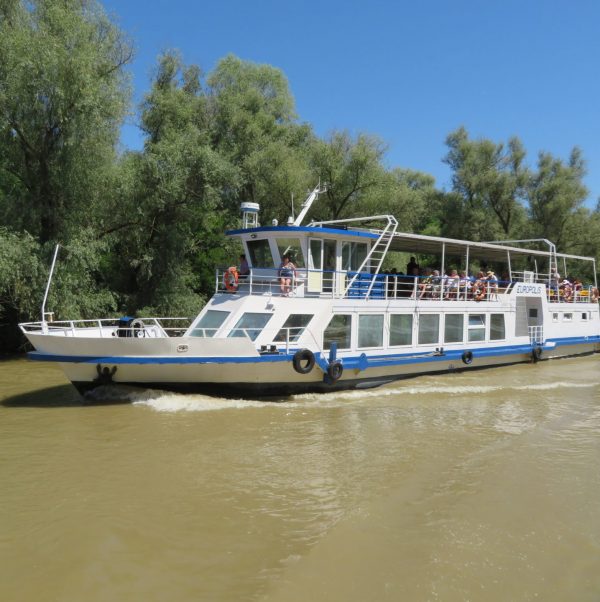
(467, 357)
(335, 370)
(536, 354)
(303, 361)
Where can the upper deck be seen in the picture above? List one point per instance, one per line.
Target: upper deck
(351, 259)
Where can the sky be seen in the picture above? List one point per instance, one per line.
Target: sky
(408, 72)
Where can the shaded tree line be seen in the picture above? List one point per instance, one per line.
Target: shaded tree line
(141, 231)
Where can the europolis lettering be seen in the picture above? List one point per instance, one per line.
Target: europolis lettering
(529, 289)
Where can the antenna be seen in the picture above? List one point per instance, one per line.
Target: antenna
(308, 202)
(48, 284)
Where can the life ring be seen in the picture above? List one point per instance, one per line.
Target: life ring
(467, 357)
(231, 279)
(303, 361)
(138, 328)
(335, 370)
(536, 354)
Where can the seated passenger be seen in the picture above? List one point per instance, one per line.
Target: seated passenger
(566, 291)
(464, 285)
(244, 270)
(451, 285)
(287, 273)
(425, 284)
(480, 287)
(436, 284)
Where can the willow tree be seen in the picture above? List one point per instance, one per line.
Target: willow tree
(353, 171)
(63, 95)
(488, 188)
(254, 126)
(556, 195)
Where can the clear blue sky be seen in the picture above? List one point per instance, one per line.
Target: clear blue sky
(409, 72)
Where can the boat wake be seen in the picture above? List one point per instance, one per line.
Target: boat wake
(160, 401)
(445, 390)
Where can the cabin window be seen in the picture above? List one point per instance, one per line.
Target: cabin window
(295, 325)
(497, 328)
(476, 327)
(370, 330)
(429, 329)
(353, 254)
(291, 247)
(555, 317)
(454, 328)
(338, 330)
(567, 317)
(250, 325)
(584, 316)
(401, 326)
(260, 253)
(315, 247)
(209, 323)
(533, 313)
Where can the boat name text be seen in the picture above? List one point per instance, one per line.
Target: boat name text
(529, 289)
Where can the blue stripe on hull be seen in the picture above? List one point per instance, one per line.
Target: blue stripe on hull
(360, 362)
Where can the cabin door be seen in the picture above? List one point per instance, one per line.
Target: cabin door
(322, 265)
(315, 265)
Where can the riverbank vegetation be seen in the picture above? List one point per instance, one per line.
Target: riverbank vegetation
(141, 231)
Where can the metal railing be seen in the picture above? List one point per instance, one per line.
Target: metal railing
(146, 327)
(365, 285)
(536, 335)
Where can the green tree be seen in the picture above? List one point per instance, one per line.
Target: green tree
(63, 95)
(253, 126)
(556, 194)
(488, 186)
(353, 171)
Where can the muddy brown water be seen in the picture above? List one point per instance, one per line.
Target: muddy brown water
(473, 486)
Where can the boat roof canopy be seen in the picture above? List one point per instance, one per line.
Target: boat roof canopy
(417, 244)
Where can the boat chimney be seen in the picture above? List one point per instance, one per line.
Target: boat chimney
(249, 215)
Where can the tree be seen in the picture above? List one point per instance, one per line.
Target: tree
(63, 95)
(253, 126)
(555, 195)
(352, 170)
(488, 183)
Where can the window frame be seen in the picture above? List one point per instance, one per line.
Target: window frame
(370, 315)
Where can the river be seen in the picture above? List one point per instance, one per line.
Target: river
(474, 486)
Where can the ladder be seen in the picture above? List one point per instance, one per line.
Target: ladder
(376, 254)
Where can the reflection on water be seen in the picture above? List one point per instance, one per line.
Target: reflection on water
(481, 485)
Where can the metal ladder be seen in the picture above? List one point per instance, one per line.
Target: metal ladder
(377, 254)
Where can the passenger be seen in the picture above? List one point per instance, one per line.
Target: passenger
(408, 285)
(287, 273)
(436, 284)
(451, 285)
(412, 265)
(464, 284)
(492, 283)
(480, 287)
(244, 270)
(425, 284)
(554, 283)
(566, 290)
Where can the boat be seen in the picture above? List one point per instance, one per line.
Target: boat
(336, 319)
